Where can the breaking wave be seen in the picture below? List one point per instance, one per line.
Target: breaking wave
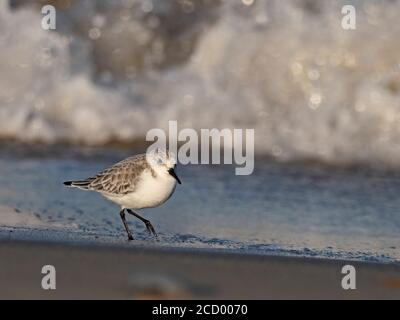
(285, 68)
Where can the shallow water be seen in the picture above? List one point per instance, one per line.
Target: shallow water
(283, 209)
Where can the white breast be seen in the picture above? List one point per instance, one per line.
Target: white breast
(150, 192)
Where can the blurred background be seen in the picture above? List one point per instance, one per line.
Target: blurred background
(324, 103)
(114, 69)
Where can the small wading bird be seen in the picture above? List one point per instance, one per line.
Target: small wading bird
(138, 182)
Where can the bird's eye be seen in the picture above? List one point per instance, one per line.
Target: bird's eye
(159, 161)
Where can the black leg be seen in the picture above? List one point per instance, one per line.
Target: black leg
(148, 224)
(122, 214)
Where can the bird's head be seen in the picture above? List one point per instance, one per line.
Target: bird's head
(163, 162)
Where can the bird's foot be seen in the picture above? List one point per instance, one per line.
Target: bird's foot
(150, 228)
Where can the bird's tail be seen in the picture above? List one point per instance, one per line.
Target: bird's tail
(82, 184)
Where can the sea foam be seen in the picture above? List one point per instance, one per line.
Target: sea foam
(287, 69)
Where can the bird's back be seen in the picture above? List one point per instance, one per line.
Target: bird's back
(120, 179)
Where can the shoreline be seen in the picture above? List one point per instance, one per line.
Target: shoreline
(70, 237)
(62, 149)
(119, 272)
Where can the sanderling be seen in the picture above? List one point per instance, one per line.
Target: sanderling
(138, 182)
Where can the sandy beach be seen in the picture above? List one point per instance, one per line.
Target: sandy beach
(98, 271)
(304, 95)
(212, 254)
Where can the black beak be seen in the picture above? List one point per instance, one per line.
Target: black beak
(172, 173)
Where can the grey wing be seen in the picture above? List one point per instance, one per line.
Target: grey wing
(119, 179)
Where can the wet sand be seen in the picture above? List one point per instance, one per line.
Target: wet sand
(201, 253)
(89, 271)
